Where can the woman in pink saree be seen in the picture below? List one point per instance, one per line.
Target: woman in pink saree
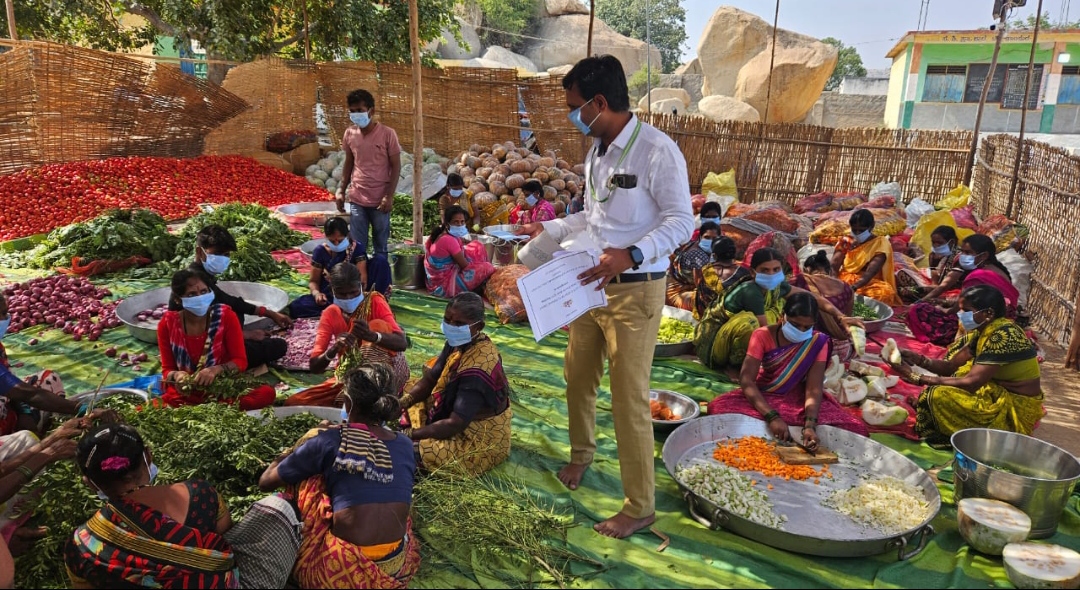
(783, 377)
(452, 265)
(978, 257)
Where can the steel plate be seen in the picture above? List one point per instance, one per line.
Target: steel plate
(321, 412)
(109, 392)
(254, 293)
(811, 527)
(663, 350)
(314, 214)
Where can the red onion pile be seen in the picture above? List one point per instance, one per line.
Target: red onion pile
(152, 314)
(66, 303)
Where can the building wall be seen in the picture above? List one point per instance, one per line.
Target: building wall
(847, 110)
(865, 86)
(897, 83)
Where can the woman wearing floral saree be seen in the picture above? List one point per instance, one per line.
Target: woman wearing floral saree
(719, 277)
(783, 377)
(453, 266)
(687, 264)
(819, 281)
(865, 261)
(989, 378)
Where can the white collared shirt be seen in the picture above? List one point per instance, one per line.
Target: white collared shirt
(656, 216)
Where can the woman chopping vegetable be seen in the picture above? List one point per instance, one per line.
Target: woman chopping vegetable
(460, 409)
(978, 265)
(989, 378)
(865, 261)
(783, 377)
(364, 328)
(353, 486)
(686, 266)
(374, 272)
(202, 350)
(722, 337)
(452, 265)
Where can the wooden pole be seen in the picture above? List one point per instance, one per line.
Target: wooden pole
(1023, 112)
(10, 6)
(969, 168)
(307, 33)
(772, 62)
(592, 17)
(418, 125)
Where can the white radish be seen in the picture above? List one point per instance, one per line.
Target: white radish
(989, 525)
(865, 369)
(1035, 565)
(852, 391)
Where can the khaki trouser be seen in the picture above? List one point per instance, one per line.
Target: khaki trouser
(625, 333)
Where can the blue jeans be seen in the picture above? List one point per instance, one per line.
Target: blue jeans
(359, 220)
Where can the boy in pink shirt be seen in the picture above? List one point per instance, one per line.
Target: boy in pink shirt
(371, 170)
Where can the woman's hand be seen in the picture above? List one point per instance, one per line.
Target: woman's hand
(281, 319)
(178, 377)
(852, 322)
(206, 376)
(779, 429)
(809, 438)
(320, 298)
(362, 331)
(906, 374)
(912, 358)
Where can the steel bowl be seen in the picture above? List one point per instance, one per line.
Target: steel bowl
(320, 412)
(314, 214)
(254, 293)
(678, 403)
(1035, 476)
(308, 247)
(664, 350)
(109, 392)
(885, 313)
(811, 528)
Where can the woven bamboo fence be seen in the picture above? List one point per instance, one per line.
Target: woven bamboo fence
(1046, 200)
(62, 103)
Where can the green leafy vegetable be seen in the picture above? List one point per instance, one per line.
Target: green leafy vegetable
(229, 385)
(864, 311)
(401, 217)
(115, 235)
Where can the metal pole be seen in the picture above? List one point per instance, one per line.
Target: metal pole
(648, 60)
(10, 6)
(418, 125)
(307, 33)
(982, 98)
(1024, 110)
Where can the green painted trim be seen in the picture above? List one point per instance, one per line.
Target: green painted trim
(909, 108)
(1047, 123)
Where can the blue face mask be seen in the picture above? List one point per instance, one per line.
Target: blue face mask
(198, 304)
(360, 119)
(457, 335)
(459, 231)
(216, 264)
(349, 305)
(457, 192)
(531, 200)
(967, 262)
(4, 324)
(705, 245)
(860, 238)
(712, 219)
(794, 334)
(943, 250)
(967, 320)
(339, 247)
(769, 282)
(575, 118)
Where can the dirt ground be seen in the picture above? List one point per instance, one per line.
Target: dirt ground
(1061, 386)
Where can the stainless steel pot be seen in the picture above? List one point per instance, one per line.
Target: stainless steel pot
(1035, 476)
(407, 269)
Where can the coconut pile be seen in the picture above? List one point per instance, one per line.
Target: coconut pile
(496, 176)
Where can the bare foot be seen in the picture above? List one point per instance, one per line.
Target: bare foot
(622, 526)
(571, 475)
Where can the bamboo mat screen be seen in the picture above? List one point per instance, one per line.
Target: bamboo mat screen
(1046, 201)
(336, 81)
(394, 102)
(77, 104)
(282, 96)
(470, 105)
(545, 101)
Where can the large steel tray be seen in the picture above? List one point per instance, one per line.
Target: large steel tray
(812, 528)
(254, 293)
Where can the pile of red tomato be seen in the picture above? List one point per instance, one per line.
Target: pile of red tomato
(37, 200)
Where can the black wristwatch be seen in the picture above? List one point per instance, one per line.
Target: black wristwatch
(636, 256)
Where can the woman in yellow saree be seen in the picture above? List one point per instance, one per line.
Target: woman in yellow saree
(865, 261)
(993, 375)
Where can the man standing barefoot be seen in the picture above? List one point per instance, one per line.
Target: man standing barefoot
(637, 208)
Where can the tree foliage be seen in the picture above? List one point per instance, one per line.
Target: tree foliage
(239, 29)
(667, 24)
(848, 64)
(1027, 24)
(505, 20)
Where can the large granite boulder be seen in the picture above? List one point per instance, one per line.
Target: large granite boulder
(692, 67)
(690, 83)
(509, 58)
(480, 62)
(563, 41)
(450, 49)
(560, 70)
(660, 94)
(725, 108)
(561, 7)
(669, 106)
(798, 77)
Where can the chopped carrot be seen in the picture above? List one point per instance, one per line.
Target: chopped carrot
(660, 411)
(753, 453)
(769, 486)
(817, 481)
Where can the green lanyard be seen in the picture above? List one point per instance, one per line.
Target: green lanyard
(592, 164)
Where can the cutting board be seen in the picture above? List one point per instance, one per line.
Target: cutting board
(793, 455)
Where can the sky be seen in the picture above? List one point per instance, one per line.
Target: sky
(873, 27)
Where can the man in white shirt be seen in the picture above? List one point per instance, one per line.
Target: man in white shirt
(637, 209)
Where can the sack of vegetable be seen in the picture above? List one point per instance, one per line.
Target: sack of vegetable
(303, 156)
(284, 141)
(502, 291)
